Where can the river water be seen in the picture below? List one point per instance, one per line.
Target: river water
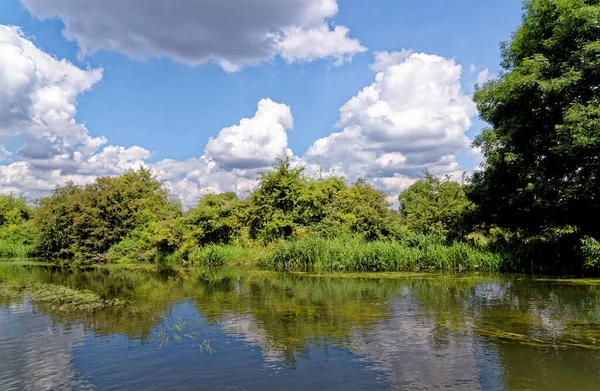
(234, 330)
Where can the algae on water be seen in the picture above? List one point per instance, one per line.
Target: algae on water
(61, 298)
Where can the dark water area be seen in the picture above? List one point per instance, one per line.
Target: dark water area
(234, 330)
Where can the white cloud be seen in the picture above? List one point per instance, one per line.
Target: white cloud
(39, 93)
(256, 142)
(483, 76)
(4, 153)
(413, 116)
(384, 60)
(231, 33)
(298, 44)
(38, 102)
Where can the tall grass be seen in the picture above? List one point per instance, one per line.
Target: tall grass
(16, 250)
(352, 253)
(229, 255)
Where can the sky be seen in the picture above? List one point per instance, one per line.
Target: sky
(208, 93)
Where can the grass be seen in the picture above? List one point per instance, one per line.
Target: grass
(346, 253)
(229, 255)
(15, 250)
(353, 254)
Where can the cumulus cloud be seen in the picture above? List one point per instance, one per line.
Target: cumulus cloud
(256, 142)
(483, 76)
(38, 105)
(38, 102)
(413, 116)
(231, 33)
(39, 93)
(298, 44)
(384, 60)
(4, 153)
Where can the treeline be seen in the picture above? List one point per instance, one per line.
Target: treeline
(532, 206)
(291, 221)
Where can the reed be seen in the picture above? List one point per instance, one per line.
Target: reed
(354, 254)
(16, 250)
(229, 255)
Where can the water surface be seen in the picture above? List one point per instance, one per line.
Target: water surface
(224, 330)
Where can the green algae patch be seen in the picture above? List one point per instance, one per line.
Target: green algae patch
(59, 298)
(587, 341)
(571, 281)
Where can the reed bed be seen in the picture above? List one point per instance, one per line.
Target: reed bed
(354, 254)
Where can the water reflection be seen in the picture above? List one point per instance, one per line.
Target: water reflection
(36, 354)
(273, 331)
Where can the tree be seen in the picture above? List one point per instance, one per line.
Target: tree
(216, 219)
(273, 203)
(362, 209)
(87, 220)
(15, 216)
(541, 173)
(436, 205)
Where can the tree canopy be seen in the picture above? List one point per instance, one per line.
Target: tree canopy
(542, 151)
(436, 205)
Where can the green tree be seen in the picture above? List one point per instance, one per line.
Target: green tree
(362, 209)
(273, 203)
(87, 221)
(216, 219)
(541, 173)
(53, 222)
(15, 220)
(436, 205)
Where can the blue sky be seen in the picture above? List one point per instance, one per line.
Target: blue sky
(168, 97)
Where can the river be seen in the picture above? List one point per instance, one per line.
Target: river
(242, 330)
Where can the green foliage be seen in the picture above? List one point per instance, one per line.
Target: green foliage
(287, 200)
(86, 221)
(61, 298)
(436, 205)
(272, 205)
(353, 253)
(16, 233)
(591, 252)
(215, 255)
(541, 153)
(363, 210)
(216, 219)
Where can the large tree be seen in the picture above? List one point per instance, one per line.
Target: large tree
(541, 171)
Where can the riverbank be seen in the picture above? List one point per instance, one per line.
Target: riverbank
(348, 253)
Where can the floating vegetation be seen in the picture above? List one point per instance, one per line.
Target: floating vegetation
(523, 339)
(571, 281)
(182, 331)
(60, 298)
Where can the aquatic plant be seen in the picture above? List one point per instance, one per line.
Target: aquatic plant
(353, 253)
(61, 298)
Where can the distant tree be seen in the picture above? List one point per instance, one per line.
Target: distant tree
(436, 204)
(15, 220)
(13, 210)
(216, 219)
(88, 220)
(273, 203)
(362, 209)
